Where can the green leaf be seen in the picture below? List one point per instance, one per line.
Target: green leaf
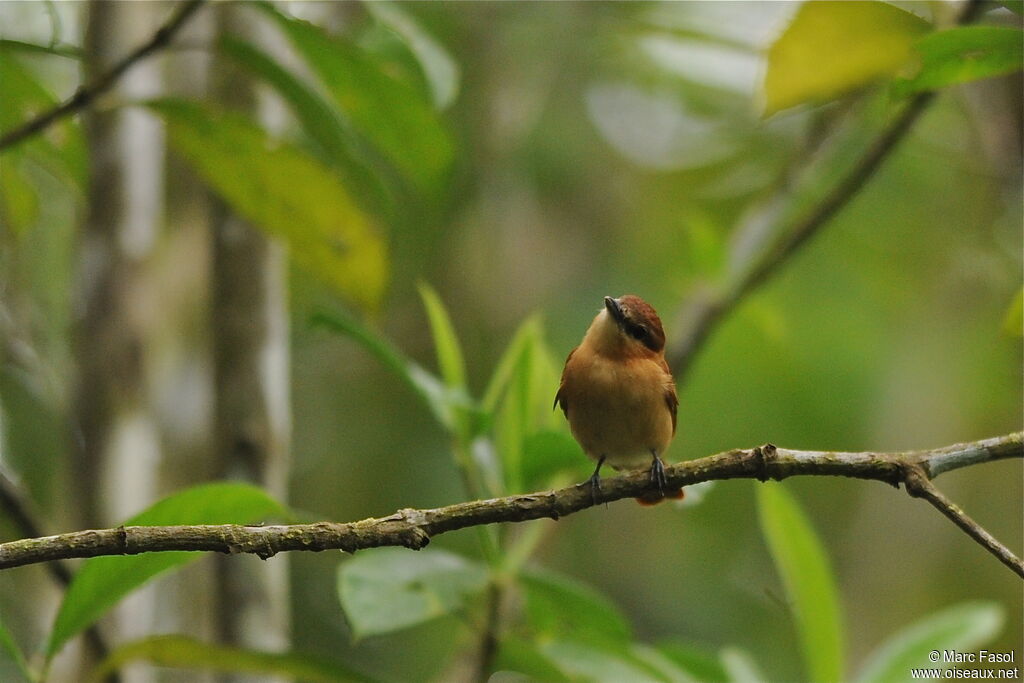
(390, 114)
(103, 581)
(962, 628)
(963, 54)
(446, 405)
(388, 589)
(62, 149)
(701, 665)
(558, 606)
(287, 193)
(10, 650)
(583, 661)
(807, 577)
(446, 341)
(520, 656)
(323, 123)
(525, 380)
(440, 70)
(19, 204)
(831, 48)
(1013, 320)
(181, 652)
(548, 453)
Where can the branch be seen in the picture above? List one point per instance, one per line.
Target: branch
(85, 95)
(707, 308)
(414, 528)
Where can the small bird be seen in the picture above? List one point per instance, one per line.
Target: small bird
(619, 396)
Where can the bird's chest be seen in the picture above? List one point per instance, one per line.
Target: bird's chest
(618, 410)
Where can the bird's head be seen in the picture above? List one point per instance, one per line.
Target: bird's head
(628, 327)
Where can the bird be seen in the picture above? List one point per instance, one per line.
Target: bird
(618, 394)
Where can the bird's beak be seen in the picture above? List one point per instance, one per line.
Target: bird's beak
(614, 309)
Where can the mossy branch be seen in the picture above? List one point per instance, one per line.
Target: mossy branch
(414, 528)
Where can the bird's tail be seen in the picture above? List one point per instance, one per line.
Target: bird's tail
(655, 497)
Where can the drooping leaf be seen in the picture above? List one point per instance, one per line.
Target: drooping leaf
(440, 70)
(9, 650)
(558, 606)
(390, 114)
(287, 193)
(961, 628)
(807, 577)
(103, 581)
(659, 663)
(964, 54)
(831, 48)
(388, 589)
(182, 652)
(444, 403)
(324, 124)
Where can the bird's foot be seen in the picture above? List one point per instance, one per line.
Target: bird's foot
(658, 477)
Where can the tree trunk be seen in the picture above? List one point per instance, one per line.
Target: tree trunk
(117, 442)
(251, 378)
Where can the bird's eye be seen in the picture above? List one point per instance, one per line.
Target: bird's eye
(638, 332)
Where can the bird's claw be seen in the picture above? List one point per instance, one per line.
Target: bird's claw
(658, 477)
(595, 487)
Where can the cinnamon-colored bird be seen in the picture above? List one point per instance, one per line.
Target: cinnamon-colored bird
(619, 396)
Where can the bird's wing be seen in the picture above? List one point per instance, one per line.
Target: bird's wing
(671, 399)
(560, 394)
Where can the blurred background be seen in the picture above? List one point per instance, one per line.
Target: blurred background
(566, 151)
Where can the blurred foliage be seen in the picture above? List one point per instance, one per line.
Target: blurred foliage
(529, 158)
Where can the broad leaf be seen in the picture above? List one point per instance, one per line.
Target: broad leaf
(103, 581)
(961, 628)
(831, 48)
(287, 193)
(321, 121)
(389, 113)
(964, 54)
(807, 577)
(440, 70)
(558, 606)
(181, 652)
(389, 589)
(19, 203)
(9, 650)
(446, 405)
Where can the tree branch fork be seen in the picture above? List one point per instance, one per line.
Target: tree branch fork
(413, 529)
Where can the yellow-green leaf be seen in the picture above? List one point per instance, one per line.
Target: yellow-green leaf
(967, 53)
(807, 577)
(831, 48)
(286, 192)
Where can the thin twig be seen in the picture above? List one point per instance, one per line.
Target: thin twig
(84, 96)
(16, 506)
(414, 528)
(919, 486)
